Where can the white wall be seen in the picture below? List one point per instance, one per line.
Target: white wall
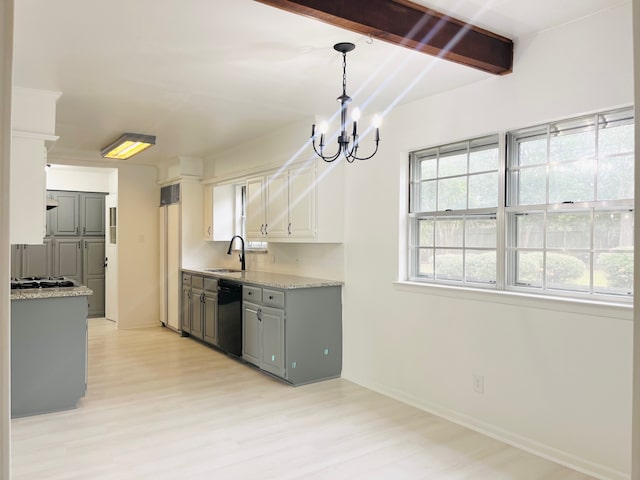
(557, 382)
(138, 269)
(557, 375)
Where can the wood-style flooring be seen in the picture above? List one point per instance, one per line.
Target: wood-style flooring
(163, 407)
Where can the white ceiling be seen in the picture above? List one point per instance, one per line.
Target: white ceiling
(203, 75)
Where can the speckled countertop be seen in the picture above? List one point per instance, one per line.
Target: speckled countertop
(267, 279)
(33, 293)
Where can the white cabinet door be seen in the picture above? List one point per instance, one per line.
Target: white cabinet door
(277, 196)
(255, 208)
(302, 193)
(207, 209)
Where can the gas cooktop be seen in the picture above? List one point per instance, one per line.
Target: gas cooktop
(41, 282)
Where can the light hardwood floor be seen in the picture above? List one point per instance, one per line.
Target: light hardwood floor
(164, 407)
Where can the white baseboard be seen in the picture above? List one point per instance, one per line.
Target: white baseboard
(566, 459)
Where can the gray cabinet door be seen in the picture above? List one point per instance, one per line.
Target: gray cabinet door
(93, 273)
(250, 333)
(65, 217)
(210, 318)
(272, 340)
(92, 214)
(185, 310)
(16, 260)
(196, 313)
(67, 258)
(36, 260)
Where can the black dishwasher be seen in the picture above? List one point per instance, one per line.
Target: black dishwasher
(230, 317)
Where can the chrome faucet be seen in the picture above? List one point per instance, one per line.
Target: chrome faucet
(244, 267)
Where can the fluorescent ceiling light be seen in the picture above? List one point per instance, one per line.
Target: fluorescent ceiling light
(127, 146)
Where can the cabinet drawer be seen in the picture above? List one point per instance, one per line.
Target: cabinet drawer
(186, 279)
(211, 284)
(197, 282)
(252, 293)
(273, 298)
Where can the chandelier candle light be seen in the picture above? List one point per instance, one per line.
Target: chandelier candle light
(348, 146)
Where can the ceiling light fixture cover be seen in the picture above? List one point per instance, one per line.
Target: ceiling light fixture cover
(347, 145)
(127, 145)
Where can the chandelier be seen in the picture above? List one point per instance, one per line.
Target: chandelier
(347, 145)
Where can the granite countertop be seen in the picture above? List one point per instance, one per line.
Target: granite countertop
(33, 293)
(267, 279)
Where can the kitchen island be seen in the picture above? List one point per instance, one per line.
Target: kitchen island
(48, 349)
(291, 326)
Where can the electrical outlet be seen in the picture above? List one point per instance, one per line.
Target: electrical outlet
(478, 383)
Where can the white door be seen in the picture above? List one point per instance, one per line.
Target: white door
(111, 258)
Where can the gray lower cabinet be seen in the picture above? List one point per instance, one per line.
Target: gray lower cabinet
(210, 316)
(37, 260)
(295, 334)
(67, 258)
(16, 260)
(93, 275)
(185, 305)
(199, 308)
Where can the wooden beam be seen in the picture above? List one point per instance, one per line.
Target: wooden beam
(412, 26)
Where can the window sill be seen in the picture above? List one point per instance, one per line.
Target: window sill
(558, 304)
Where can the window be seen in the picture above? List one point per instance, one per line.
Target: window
(454, 201)
(570, 206)
(564, 226)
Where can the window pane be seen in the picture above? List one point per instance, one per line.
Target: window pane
(483, 160)
(572, 146)
(614, 273)
(532, 152)
(571, 182)
(529, 268)
(427, 197)
(480, 232)
(529, 230)
(480, 266)
(449, 264)
(425, 263)
(449, 232)
(428, 169)
(613, 230)
(532, 186)
(617, 139)
(615, 178)
(425, 232)
(453, 165)
(452, 194)
(568, 271)
(569, 230)
(483, 190)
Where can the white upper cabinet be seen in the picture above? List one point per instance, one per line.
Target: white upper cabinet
(301, 204)
(33, 124)
(220, 207)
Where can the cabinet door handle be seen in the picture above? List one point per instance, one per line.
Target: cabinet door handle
(209, 230)
(259, 314)
(77, 230)
(289, 228)
(262, 229)
(84, 230)
(270, 297)
(266, 231)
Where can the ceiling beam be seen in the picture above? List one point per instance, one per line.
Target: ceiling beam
(413, 26)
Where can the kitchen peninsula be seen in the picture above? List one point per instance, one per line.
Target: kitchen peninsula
(291, 326)
(48, 349)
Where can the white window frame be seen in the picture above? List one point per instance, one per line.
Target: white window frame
(507, 211)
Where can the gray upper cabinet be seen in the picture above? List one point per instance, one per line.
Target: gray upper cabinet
(65, 219)
(79, 213)
(92, 214)
(16, 260)
(67, 258)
